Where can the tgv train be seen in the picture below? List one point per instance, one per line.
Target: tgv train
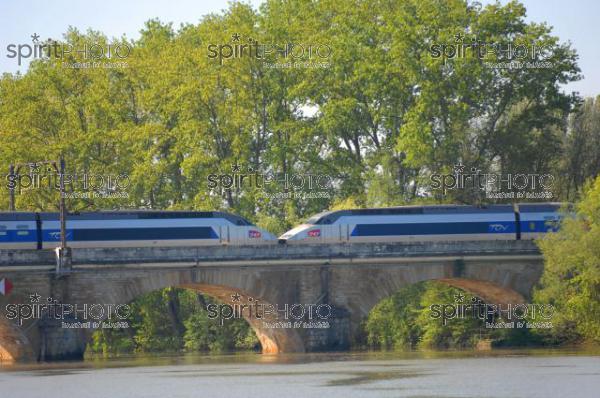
(129, 229)
(428, 223)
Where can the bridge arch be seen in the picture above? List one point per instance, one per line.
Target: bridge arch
(14, 344)
(272, 341)
(498, 281)
(119, 286)
(226, 289)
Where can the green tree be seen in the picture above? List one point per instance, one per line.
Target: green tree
(405, 320)
(581, 158)
(571, 279)
(391, 324)
(171, 320)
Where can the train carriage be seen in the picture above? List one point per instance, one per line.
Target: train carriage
(537, 219)
(129, 229)
(192, 228)
(427, 223)
(18, 230)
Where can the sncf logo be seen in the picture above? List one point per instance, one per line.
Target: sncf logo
(252, 234)
(315, 233)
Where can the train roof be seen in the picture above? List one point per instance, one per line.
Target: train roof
(125, 214)
(328, 217)
(541, 207)
(17, 216)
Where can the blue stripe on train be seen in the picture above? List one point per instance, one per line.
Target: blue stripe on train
(539, 226)
(495, 227)
(107, 234)
(14, 236)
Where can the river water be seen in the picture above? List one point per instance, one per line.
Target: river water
(514, 373)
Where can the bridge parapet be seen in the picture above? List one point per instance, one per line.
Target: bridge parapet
(280, 254)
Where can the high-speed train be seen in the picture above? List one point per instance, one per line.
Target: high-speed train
(428, 223)
(20, 230)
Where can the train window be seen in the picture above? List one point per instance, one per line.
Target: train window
(316, 219)
(174, 214)
(388, 211)
(22, 230)
(327, 217)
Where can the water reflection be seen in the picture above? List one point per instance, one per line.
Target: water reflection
(148, 359)
(439, 374)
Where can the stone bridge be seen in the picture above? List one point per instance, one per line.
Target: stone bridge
(345, 280)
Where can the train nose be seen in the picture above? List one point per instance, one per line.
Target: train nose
(297, 234)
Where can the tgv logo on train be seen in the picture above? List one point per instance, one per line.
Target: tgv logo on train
(490, 181)
(498, 227)
(197, 228)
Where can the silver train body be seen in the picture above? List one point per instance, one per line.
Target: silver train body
(428, 223)
(129, 229)
(183, 228)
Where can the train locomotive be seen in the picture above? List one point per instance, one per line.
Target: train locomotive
(20, 230)
(428, 223)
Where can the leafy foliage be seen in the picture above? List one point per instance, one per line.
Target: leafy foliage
(171, 320)
(404, 320)
(571, 279)
(379, 120)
